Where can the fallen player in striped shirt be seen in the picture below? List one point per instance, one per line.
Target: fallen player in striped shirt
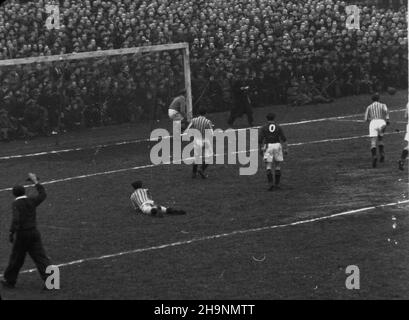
(142, 202)
(377, 115)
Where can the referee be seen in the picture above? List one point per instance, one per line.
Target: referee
(24, 234)
(377, 115)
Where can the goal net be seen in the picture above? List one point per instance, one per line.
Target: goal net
(48, 94)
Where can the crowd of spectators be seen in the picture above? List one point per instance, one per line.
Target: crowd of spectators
(294, 52)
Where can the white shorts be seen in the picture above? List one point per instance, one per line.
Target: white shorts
(175, 115)
(147, 207)
(377, 128)
(203, 149)
(407, 133)
(274, 153)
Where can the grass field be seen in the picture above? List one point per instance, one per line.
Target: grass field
(238, 241)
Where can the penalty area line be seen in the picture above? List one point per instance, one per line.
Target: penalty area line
(127, 142)
(104, 173)
(222, 235)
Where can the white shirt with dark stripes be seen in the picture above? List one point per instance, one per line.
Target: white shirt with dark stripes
(140, 197)
(201, 124)
(377, 111)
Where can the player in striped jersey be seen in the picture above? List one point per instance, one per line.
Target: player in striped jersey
(377, 115)
(405, 151)
(142, 201)
(203, 145)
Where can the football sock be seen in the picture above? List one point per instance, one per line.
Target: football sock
(278, 177)
(195, 166)
(269, 176)
(404, 154)
(373, 150)
(175, 212)
(204, 167)
(382, 149)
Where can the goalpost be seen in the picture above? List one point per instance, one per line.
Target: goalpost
(34, 66)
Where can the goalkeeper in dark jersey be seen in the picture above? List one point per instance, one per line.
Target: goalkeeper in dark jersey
(273, 144)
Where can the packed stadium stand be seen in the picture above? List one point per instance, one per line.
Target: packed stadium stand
(295, 52)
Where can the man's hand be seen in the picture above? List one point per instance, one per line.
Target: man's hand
(388, 122)
(11, 237)
(286, 152)
(33, 178)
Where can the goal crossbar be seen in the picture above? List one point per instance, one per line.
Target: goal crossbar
(94, 54)
(116, 52)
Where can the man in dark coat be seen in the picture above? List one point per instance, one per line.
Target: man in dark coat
(24, 234)
(242, 101)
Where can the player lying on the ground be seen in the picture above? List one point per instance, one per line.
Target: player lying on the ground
(405, 151)
(142, 201)
(203, 146)
(272, 141)
(377, 115)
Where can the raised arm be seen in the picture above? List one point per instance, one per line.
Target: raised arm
(40, 197)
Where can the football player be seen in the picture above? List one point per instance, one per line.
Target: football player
(405, 151)
(377, 115)
(177, 109)
(142, 202)
(203, 146)
(273, 143)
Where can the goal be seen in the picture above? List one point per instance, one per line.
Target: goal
(95, 88)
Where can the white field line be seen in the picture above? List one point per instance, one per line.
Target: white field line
(363, 121)
(349, 120)
(121, 143)
(222, 235)
(104, 173)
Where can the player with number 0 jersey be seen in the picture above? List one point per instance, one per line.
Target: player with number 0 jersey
(273, 143)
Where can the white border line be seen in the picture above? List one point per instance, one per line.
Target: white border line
(222, 235)
(121, 143)
(104, 173)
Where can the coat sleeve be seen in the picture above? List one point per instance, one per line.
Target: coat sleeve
(37, 200)
(15, 219)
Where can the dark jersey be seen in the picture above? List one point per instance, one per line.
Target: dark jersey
(271, 133)
(24, 211)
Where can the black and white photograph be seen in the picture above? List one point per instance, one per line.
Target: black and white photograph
(204, 156)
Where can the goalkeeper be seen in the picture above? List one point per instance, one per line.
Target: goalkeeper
(142, 202)
(177, 109)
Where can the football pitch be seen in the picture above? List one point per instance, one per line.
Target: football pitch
(238, 241)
